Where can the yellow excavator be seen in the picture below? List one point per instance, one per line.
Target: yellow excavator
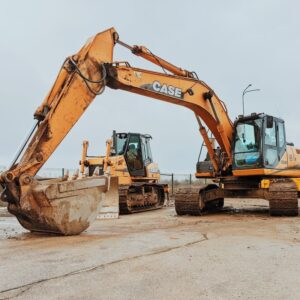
(129, 158)
(251, 158)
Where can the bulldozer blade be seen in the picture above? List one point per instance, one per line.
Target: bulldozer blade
(60, 207)
(109, 205)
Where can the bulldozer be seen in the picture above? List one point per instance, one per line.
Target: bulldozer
(129, 158)
(250, 157)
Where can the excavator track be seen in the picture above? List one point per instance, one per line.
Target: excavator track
(191, 201)
(187, 202)
(141, 197)
(283, 198)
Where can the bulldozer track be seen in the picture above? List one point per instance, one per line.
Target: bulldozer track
(133, 198)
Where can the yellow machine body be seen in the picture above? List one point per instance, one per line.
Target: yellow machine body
(138, 175)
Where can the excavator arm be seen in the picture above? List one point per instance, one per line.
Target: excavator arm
(183, 91)
(82, 77)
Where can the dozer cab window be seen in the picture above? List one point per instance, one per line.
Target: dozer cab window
(247, 143)
(146, 151)
(134, 157)
(121, 140)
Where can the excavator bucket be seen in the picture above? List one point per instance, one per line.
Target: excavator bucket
(60, 207)
(109, 205)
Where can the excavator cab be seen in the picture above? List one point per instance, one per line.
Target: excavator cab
(259, 142)
(136, 150)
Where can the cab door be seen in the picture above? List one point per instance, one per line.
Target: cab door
(274, 143)
(281, 144)
(146, 150)
(270, 144)
(134, 156)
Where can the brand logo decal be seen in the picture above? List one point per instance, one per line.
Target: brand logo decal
(163, 88)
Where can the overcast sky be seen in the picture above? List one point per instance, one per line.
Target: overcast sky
(228, 43)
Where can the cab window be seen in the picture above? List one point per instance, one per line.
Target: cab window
(134, 153)
(271, 151)
(146, 151)
(149, 150)
(270, 136)
(281, 135)
(247, 143)
(121, 143)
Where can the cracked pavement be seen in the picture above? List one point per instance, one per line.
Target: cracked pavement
(238, 253)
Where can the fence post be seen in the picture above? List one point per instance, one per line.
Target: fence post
(190, 178)
(63, 172)
(172, 183)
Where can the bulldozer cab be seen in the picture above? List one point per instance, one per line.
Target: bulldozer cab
(136, 150)
(259, 142)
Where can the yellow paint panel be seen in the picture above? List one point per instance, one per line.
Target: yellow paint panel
(267, 172)
(204, 175)
(297, 181)
(265, 183)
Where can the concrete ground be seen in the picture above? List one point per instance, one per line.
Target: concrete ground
(240, 253)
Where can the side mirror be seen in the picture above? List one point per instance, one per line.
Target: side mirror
(270, 122)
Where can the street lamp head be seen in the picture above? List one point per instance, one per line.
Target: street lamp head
(245, 91)
(247, 87)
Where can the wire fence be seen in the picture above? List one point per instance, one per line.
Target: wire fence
(174, 180)
(55, 172)
(49, 172)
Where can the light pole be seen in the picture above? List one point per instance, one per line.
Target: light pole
(245, 91)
